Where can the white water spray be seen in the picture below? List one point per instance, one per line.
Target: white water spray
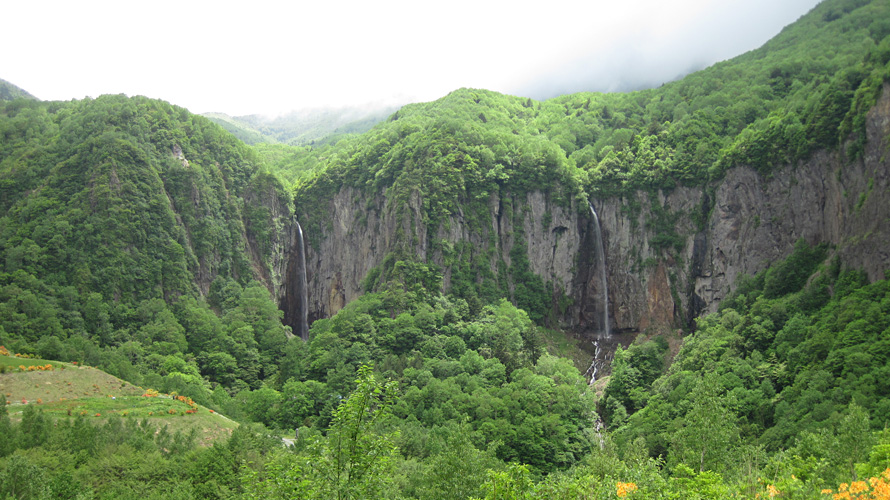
(601, 263)
(605, 332)
(301, 275)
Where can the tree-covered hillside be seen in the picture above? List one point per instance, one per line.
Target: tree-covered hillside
(130, 230)
(9, 92)
(782, 394)
(130, 198)
(285, 143)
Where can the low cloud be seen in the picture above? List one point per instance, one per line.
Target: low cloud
(649, 56)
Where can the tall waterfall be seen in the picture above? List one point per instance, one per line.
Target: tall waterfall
(602, 344)
(303, 325)
(601, 263)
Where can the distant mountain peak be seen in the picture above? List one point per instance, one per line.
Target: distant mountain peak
(301, 127)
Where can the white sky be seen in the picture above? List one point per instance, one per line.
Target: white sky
(262, 56)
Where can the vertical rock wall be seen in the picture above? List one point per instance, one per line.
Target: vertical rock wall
(749, 222)
(361, 234)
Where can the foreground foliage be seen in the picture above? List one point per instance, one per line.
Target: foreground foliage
(776, 395)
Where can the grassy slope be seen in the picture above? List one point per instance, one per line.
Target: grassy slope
(566, 345)
(69, 390)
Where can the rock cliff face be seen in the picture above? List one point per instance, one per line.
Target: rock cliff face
(826, 199)
(645, 278)
(670, 256)
(751, 223)
(362, 232)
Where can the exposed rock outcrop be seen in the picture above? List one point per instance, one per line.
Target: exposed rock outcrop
(362, 233)
(664, 269)
(756, 221)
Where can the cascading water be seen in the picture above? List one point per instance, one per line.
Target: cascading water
(603, 336)
(303, 325)
(595, 364)
(601, 262)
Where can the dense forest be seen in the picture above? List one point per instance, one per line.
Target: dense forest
(150, 242)
(781, 392)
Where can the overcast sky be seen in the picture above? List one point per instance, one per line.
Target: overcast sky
(262, 56)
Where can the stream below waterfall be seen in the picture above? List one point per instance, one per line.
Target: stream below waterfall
(601, 347)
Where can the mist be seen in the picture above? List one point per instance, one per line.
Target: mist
(299, 55)
(657, 53)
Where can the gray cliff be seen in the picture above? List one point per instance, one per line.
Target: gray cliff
(657, 278)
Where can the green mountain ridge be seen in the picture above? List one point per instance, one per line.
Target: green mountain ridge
(9, 92)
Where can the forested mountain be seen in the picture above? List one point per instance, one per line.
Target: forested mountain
(304, 127)
(473, 175)
(729, 227)
(118, 210)
(9, 92)
(286, 144)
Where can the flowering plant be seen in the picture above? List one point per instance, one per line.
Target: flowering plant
(876, 488)
(625, 488)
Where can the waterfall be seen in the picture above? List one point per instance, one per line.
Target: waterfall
(601, 262)
(595, 364)
(602, 345)
(303, 325)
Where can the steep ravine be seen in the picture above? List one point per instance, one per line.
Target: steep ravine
(657, 277)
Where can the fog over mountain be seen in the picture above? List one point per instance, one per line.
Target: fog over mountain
(270, 59)
(634, 50)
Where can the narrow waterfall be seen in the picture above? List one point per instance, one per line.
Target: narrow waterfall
(303, 325)
(601, 263)
(601, 345)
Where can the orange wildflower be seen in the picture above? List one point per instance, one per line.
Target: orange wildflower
(624, 488)
(859, 490)
(857, 487)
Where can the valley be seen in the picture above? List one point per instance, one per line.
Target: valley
(677, 292)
